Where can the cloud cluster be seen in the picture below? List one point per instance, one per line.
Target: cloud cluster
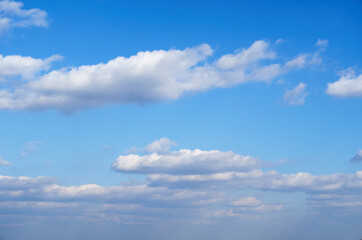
(148, 77)
(271, 181)
(185, 184)
(12, 15)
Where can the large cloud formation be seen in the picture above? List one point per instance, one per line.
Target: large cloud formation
(143, 78)
(197, 185)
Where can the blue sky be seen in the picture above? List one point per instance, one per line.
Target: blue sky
(190, 119)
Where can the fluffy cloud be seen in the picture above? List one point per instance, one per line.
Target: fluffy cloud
(13, 15)
(185, 184)
(357, 157)
(144, 78)
(185, 161)
(296, 96)
(349, 85)
(122, 204)
(160, 146)
(25, 67)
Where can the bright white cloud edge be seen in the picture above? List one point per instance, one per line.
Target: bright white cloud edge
(146, 77)
(349, 85)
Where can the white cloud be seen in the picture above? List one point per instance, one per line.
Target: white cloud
(13, 15)
(19, 183)
(299, 61)
(30, 147)
(184, 161)
(144, 78)
(25, 67)
(192, 185)
(144, 203)
(296, 96)
(247, 57)
(304, 60)
(349, 85)
(265, 181)
(357, 157)
(160, 146)
(3, 162)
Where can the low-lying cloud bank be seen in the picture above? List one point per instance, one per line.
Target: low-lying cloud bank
(198, 185)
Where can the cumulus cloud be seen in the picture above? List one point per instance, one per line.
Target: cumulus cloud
(296, 96)
(184, 161)
(26, 67)
(145, 203)
(160, 146)
(357, 157)
(3, 162)
(145, 78)
(349, 85)
(191, 184)
(12, 15)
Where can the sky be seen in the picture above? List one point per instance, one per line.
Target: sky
(180, 120)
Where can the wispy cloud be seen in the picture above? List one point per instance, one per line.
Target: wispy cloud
(322, 43)
(3, 162)
(30, 147)
(296, 96)
(12, 15)
(357, 157)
